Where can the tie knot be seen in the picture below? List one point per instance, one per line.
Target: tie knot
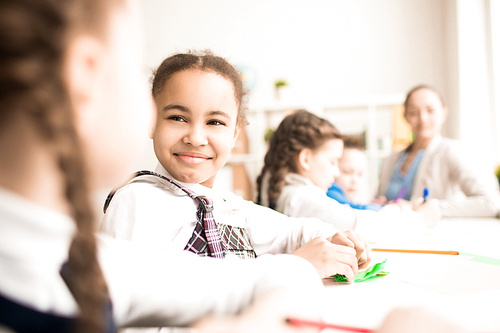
(206, 203)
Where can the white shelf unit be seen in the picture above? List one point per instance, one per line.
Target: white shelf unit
(370, 115)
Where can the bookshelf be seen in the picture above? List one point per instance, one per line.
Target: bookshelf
(378, 118)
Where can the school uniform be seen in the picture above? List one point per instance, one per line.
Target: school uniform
(300, 197)
(148, 286)
(151, 210)
(445, 172)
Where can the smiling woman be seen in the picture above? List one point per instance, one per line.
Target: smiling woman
(437, 163)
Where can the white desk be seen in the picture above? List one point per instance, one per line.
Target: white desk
(476, 307)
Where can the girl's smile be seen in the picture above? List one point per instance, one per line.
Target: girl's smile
(192, 158)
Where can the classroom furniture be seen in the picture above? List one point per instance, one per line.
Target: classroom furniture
(463, 288)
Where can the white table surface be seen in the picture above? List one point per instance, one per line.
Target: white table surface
(366, 304)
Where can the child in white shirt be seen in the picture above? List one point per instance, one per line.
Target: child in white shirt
(201, 109)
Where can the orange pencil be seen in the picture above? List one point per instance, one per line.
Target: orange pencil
(418, 251)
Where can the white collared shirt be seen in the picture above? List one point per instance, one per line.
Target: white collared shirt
(151, 210)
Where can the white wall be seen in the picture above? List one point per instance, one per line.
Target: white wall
(321, 47)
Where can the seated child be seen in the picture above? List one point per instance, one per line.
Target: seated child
(347, 185)
(300, 166)
(200, 110)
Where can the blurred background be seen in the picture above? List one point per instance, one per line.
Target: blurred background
(351, 61)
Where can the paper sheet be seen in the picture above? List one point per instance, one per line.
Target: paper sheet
(446, 273)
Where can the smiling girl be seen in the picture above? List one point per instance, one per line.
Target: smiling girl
(200, 111)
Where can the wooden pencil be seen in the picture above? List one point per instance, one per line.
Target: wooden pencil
(418, 251)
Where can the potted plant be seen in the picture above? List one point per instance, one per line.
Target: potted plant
(278, 85)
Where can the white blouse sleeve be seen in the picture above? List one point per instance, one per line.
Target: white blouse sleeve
(150, 286)
(273, 232)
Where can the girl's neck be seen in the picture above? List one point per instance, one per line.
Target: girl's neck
(28, 168)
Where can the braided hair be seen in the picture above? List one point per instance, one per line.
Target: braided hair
(296, 132)
(204, 61)
(34, 36)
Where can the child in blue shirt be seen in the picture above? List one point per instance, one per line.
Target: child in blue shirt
(348, 184)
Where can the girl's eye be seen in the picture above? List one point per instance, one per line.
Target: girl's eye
(176, 118)
(215, 122)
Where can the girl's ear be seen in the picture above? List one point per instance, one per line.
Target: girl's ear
(237, 130)
(303, 159)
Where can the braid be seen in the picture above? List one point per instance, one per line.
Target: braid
(33, 41)
(296, 132)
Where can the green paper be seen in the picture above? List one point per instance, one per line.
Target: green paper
(482, 259)
(373, 271)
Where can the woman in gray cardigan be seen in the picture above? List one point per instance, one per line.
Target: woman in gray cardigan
(435, 163)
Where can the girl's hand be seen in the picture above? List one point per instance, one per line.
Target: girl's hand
(404, 206)
(429, 211)
(350, 239)
(330, 259)
(382, 200)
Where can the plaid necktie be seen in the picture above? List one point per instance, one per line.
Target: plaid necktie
(206, 239)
